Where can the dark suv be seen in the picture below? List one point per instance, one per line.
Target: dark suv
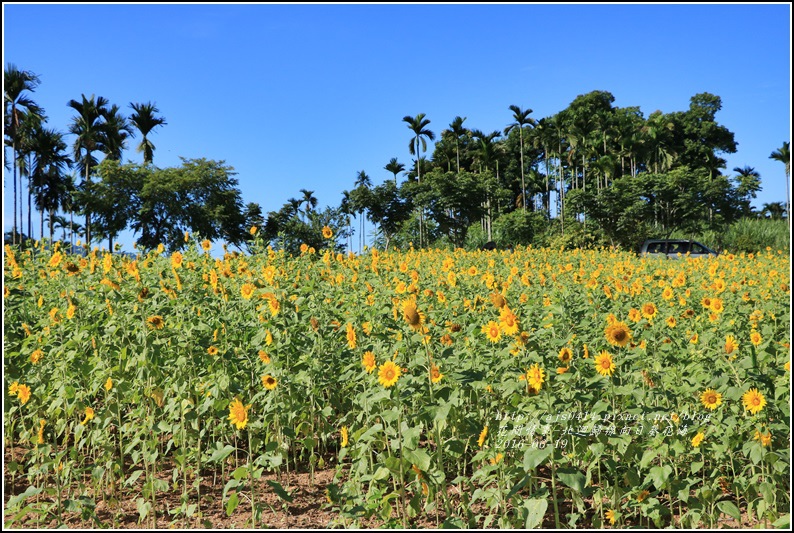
(675, 248)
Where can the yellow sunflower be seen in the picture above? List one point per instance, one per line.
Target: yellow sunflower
(351, 336)
(412, 315)
(618, 334)
(755, 338)
(435, 374)
(368, 360)
(23, 393)
(269, 382)
(753, 401)
(343, 437)
(610, 515)
(238, 413)
(535, 377)
(764, 438)
(604, 364)
(492, 331)
(565, 355)
(36, 356)
(212, 350)
(697, 439)
(155, 322)
(388, 374)
(483, 436)
(176, 260)
(327, 232)
(264, 357)
(206, 245)
(89, 415)
(247, 290)
(508, 321)
(108, 384)
(730, 344)
(649, 310)
(711, 399)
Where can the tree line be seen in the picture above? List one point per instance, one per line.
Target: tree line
(592, 173)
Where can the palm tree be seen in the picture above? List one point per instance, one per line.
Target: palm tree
(117, 131)
(522, 119)
(458, 131)
(363, 183)
(346, 208)
(145, 120)
(783, 155)
(17, 104)
(418, 125)
(88, 127)
(47, 172)
(309, 200)
(394, 167)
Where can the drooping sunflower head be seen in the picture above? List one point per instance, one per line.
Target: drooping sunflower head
(604, 364)
(435, 374)
(411, 314)
(711, 399)
(618, 334)
(388, 374)
(343, 437)
(155, 322)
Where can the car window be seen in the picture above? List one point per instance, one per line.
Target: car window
(656, 247)
(698, 249)
(678, 247)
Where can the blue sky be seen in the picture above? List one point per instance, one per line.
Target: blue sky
(305, 96)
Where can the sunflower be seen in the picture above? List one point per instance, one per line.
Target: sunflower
(764, 438)
(435, 374)
(264, 357)
(649, 310)
(327, 232)
(634, 315)
(368, 360)
(206, 245)
(492, 331)
(711, 399)
(212, 350)
(618, 334)
(730, 344)
(23, 393)
(108, 384)
(247, 290)
(388, 374)
(351, 336)
(604, 364)
(697, 439)
(565, 355)
(508, 321)
(753, 401)
(412, 315)
(155, 322)
(269, 382)
(535, 377)
(667, 294)
(483, 435)
(238, 413)
(36, 356)
(755, 338)
(671, 321)
(43, 423)
(304, 248)
(176, 260)
(343, 434)
(274, 305)
(642, 495)
(498, 300)
(89, 415)
(716, 305)
(610, 515)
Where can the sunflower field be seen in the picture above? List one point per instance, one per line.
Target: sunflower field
(526, 388)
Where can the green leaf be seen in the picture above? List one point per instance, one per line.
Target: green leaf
(536, 510)
(418, 457)
(220, 455)
(279, 490)
(572, 477)
(730, 509)
(231, 504)
(15, 500)
(534, 457)
(659, 475)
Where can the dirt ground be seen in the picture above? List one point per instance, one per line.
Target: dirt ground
(307, 510)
